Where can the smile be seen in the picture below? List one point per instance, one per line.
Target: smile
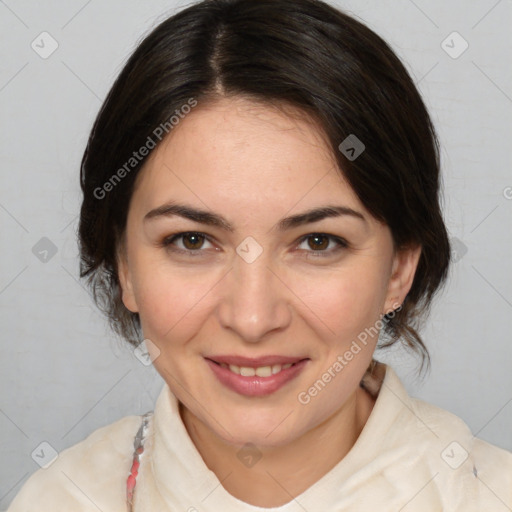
(256, 380)
(260, 371)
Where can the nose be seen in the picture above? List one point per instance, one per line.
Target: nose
(254, 300)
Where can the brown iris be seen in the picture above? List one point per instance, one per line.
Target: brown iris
(193, 241)
(317, 241)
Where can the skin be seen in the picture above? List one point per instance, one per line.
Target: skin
(254, 164)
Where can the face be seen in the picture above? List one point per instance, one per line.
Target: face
(239, 281)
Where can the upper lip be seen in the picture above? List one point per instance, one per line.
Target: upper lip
(255, 362)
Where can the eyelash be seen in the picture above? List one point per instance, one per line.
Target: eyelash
(341, 244)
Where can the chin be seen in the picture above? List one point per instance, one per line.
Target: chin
(271, 427)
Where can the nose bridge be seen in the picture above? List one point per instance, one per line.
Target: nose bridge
(254, 301)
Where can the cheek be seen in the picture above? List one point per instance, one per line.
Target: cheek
(347, 301)
(171, 304)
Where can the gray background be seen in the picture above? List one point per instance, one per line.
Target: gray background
(63, 374)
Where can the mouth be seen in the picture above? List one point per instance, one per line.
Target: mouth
(256, 377)
(259, 371)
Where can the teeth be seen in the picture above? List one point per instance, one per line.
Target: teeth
(264, 371)
(276, 368)
(234, 368)
(247, 372)
(261, 371)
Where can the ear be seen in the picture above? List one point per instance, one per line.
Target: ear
(125, 280)
(405, 262)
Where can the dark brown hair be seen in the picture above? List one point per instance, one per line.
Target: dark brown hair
(302, 53)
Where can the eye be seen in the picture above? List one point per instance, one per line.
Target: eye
(191, 242)
(319, 242)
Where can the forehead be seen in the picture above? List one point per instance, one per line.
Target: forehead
(241, 154)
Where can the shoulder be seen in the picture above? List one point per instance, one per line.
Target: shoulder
(427, 448)
(87, 476)
(467, 468)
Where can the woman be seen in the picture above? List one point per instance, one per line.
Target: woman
(261, 203)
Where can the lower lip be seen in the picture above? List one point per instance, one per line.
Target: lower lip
(256, 386)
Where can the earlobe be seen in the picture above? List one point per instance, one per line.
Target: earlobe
(405, 263)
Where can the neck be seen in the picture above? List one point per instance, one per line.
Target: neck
(283, 472)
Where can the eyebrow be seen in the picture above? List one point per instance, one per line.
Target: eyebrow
(213, 219)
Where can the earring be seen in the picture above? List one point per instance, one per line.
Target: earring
(396, 305)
